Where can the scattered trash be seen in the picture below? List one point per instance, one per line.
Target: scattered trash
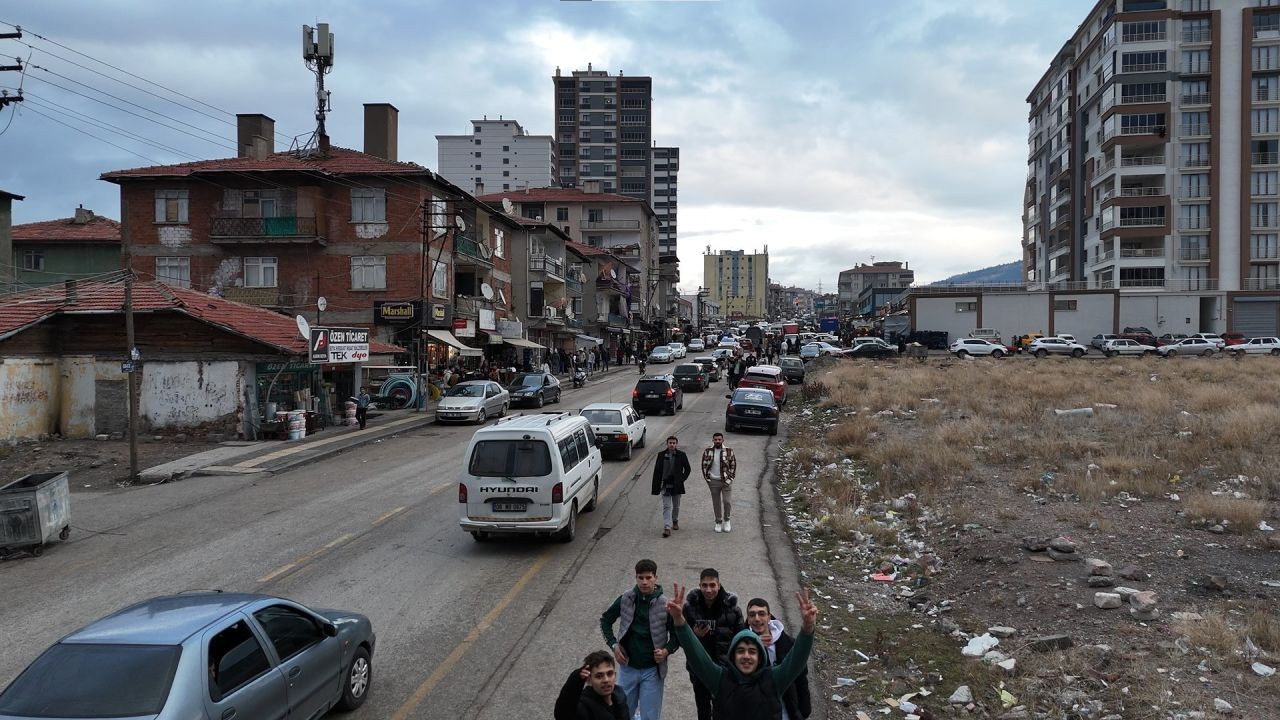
(883, 577)
(1075, 412)
(1263, 670)
(1271, 583)
(843, 682)
(978, 646)
(1006, 699)
(1222, 706)
(1264, 527)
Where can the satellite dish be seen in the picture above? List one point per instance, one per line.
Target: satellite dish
(508, 206)
(304, 327)
(460, 223)
(486, 291)
(321, 303)
(613, 273)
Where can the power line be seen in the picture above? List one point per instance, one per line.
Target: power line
(95, 137)
(102, 124)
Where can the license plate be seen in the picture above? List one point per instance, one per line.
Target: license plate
(652, 395)
(510, 506)
(750, 412)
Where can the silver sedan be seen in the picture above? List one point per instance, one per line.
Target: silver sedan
(473, 401)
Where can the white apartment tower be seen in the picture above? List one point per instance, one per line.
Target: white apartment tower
(1154, 157)
(666, 166)
(497, 155)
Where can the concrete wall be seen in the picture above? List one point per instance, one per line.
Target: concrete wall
(186, 394)
(77, 377)
(66, 262)
(939, 313)
(28, 397)
(1094, 313)
(1015, 314)
(1161, 313)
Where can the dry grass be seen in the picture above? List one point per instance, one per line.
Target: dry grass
(1239, 514)
(850, 436)
(1217, 633)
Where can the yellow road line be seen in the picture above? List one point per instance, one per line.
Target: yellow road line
(387, 516)
(347, 537)
(423, 690)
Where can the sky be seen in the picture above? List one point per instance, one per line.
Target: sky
(830, 132)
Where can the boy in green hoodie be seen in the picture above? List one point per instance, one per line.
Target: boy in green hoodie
(746, 687)
(644, 640)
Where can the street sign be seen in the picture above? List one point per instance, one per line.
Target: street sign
(126, 366)
(339, 345)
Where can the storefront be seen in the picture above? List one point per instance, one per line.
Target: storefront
(284, 386)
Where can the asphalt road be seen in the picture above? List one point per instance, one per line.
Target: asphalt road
(465, 630)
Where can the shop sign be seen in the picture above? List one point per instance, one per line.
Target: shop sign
(464, 327)
(441, 315)
(386, 312)
(510, 329)
(487, 319)
(339, 345)
(276, 367)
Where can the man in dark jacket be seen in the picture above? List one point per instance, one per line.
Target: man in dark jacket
(716, 617)
(592, 692)
(746, 687)
(796, 704)
(669, 474)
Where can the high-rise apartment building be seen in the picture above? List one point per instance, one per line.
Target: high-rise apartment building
(739, 282)
(497, 155)
(1154, 155)
(604, 131)
(882, 274)
(666, 166)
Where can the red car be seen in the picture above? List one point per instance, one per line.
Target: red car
(767, 377)
(1234, 338)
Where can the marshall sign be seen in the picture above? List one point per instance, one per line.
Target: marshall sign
(339, 345)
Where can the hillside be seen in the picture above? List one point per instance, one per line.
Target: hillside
(1006, 273)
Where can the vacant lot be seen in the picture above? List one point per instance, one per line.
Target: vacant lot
(963, 486)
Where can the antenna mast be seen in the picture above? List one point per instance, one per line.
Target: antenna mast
(317, 52)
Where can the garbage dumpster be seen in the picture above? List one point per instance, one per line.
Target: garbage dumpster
(33, 509)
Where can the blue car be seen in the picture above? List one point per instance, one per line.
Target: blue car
(201, 655)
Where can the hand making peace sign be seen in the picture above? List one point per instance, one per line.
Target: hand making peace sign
(675, 604)
(808, 611)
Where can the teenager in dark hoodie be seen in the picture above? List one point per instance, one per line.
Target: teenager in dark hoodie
(796, 704)
(592, 692)
(748, 688)
(716, 618)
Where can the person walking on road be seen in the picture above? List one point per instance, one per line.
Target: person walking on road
(362, 405)
(737, 368)
(747, 687)
(716, 618)
(669, 474)
(592, 691)
(796, 704)
(644, 640)
(719, 469)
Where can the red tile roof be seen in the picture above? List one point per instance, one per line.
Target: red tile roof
(338, 161)
(586, 250)
(20, 311)
(555, 194)
(99, 230)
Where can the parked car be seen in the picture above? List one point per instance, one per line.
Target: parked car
(1256, 346)
(473, 401)
(1234, 338)
(677, 349)
(1125, 346)
(697, 345)
(657, 393)
(1167, 338)
(661, 354)
(1046, 346)
(692, 376)
(201, 655)
(536, 389)
(986, 334)
(869, 350)
(1140, 338)
(1101, 339)
(1067, 336)
(1188, 346)
(713, 367)
(1020, 342)
(816, 349)
(1215, 338)
(792, 369)
(619, 429)
(751, 407)
(976, 346)
(864, 340)
(529, 475)
(768, 377)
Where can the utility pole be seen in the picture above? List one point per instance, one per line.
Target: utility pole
(424, 360)
(5, 98)
(131, 359)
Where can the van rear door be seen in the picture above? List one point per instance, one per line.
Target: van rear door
(510, 480)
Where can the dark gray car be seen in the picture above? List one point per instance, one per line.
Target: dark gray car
(792, 369)
(201, 655)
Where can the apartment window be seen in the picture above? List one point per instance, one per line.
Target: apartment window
(595, 215)
(440, 280)
(1195, 154)
(1263, 246)
(1266, 57)
(506, 173)
(1263, 183)
(1194, 217)
(369, 272)
(477, 167)
(1265, 120)
(477, 153)
(1195, 61)
(1264, 214)
(1064, 305)
(477, 141)
(1140, 92)
(477, 128)
(1142, 277)
(1264, 277)
(369, 205)
(499, 242)
(174, 271)
(1143, 61)
(966, 307)
(1146, 122)
(566, 118)
(506, 161)
(171, 206)
(440, 213)
(506, 186)
(260, 272)
(1139, 31)
(32, 260)
(562, 214)
(506, 148)
(1195, 185)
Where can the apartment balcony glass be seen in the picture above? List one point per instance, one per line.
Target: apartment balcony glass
(1265, 158)
(1197, 36)
(1141, 67)
(1142, 252)
(1144, 36)
(610, 225)
(1195, 161)
(1197, 98)
(1193, 223)
(1142, 191)
(1262, 283)
(1266, 94)
(1140, 160)
(1104, 256)
(1195, 67)
(266, 229)
(1194, 192)
(1194, 130)
(1195, 254)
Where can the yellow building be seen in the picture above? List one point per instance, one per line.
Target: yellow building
(738, 282)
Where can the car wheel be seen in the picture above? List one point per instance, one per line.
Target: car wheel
(1042, 354)
(626, 454)
(1207, 353)
(1077, 353)
(595, 496)
(773, 429)
(359, 679)
(482, 417)
(541, 400)
(643, 435)
(997, 354)
(570, 530)
(1109, 353)
(1171, 353)
(961, 353)
(729, 427)
(1275, 351)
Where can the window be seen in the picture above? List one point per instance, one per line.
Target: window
(1196, 61)
(289, 631)
(440, 213)
(235, 659)
(584, 445)
(174, 271)
(506, 148)
(477, 153)
(1064, 304)
(368, 205)
(171, 206)
(1265, 120)
(499, 242)
(33, 260)
(440, 280)
(97, 672)
(595, 215)
(506, 161)
(477, 141)
(506, 173)
(477, 128)
(369, 272)
(506, 186)
(1263, 246)
(966, 307)
(260, 272)
(562, 214)
(477, 167)
(568, 452)
(510, 458)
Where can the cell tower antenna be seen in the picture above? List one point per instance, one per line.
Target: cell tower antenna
(317, 53)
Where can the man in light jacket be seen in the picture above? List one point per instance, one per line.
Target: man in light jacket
(719, 469)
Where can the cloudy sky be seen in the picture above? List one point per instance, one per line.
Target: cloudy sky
(831, 131)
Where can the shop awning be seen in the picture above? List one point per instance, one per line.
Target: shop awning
(589, 339)
(521, 342)
(447, 338)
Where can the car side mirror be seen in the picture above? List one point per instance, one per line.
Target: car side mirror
(728, 397)
(330, 630)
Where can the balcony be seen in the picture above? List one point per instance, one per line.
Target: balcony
(1142, 191)
(1265, 95)
(1105, 256)
(1265, 158)
(573, 286)
(1266, 63)
(1058, 248)
(546, 264)
(468, 252)
(1193, 223)
(1198, 161)
(610, 225)
(1140, 252)
(261, 297)
(1196, 99)
(1266, 32)
(1144, 67)
(553, 316)
(621, 288)
(1195, 67)
(1142, 99)
(1198, 192)
(1134, 130)
(1141, 160)
(272, 230)
(1265, 222)
(1193, 255)
(1144, 37)
(1197, 36)
(1265, 255)
(1142, 222)
(1194, 130)
(616, 319)
(470, 306)
(1257, 283)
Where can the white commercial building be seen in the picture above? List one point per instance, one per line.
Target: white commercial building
(497, 155)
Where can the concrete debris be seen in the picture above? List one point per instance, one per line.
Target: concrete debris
(1002, 631)
(1106, 600)
(1097, 567)
(1008, 665)
(962, 696)
(1046, 643)
(978, 646)
(1074, 412)
(1187, 616)
(1222, 706)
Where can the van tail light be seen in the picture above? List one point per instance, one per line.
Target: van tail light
(670, 392)
(462, 493)
(622, 437)
(557, 493)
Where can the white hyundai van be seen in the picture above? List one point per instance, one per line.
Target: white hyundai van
(530, 474)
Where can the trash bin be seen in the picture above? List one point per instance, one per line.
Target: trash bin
(33, 509)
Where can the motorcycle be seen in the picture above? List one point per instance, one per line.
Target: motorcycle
(579, 378)
(641, 364)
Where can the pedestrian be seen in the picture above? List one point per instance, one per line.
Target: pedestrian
(604, 358)
(591, 361)
(362, 405)
(716, 618)
(546, 368)
(644, 641)
(669, 474)
(746, 687)
(737, 368)
(796, 704)
(592, 691)
(719, 469)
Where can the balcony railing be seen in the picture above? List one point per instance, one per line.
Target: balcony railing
(468, 246)
(1104, 256)
(1266, 62)
(1265, 158)
(1141, 160)
(1142, 191)
(1144, 37)
(1197, 98)
(1264, 255)
(267, 228)
(1194, 130)
(1197, 5)
(573, 286)
(1155, 252)
(546, 264)
(616, 319)
(1142, 222)
(1264, 128)
(610, 225)
(1194, 193)
(1195, 162)
(1266, 221)
(1144, 67)
(1262, 94)
(1197, 36)
(1195, 254)
(465, 305)
(1257, 283)
(1195, 67)
(1141, 99)
(1264, 32)
(1193, 223)
(1108, 193)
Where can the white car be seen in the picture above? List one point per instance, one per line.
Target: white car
(1045, 346)
(1256, 346)
(473, 401)
(1214, 338)
(1067, 337)
(696, 345)
(661, 354)
(1188, 346)
(976, 346)
(864, 340)
(1124, 346)
(815, 349)
(618, 427)
(677, 349)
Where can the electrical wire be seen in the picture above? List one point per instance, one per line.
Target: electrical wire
(101, 124)
(153, 161)
(21, 81)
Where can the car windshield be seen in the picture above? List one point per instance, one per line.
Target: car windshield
(791, 362)
(528, 380)
(73, 680)
(510, 458)
(658, 386)
(754, 397)
(603, 417)
(689, 369)
(468, 391)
